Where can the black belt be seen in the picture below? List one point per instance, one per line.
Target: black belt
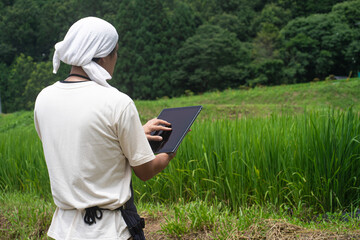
(132, 219)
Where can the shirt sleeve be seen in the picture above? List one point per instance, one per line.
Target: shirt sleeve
(131, 135)
(36, 123)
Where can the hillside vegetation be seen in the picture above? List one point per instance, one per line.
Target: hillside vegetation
(175, 47)
(252, 102)
(263, 101)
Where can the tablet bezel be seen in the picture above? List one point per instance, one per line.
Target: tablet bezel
(167, 115)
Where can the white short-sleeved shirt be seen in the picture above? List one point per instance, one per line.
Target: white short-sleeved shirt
(91, 137)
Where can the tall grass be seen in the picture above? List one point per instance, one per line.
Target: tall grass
(22, 161)
(308, 161)
(296, 162)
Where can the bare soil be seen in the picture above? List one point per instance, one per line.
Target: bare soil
(4, 223)
(269, 229)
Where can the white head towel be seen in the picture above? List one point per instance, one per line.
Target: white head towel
(86, 39)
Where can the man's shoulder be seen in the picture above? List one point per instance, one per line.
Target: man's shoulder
(46, 89)
(111, 92)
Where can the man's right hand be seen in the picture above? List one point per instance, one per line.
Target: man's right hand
(155, 124)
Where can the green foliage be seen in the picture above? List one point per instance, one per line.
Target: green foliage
(267, 67)
(18, 26)
(348, 12)
(24, 216)
(270, 72)
(262, 101)
(4, 72)
(314, 47)
(18, 120)
(232, 24)
(19, 74)
(204, 9)
(21, 156)
(24, 81)
(33, 27)
(307, 7)
(308, 161)
(192, 217)
(148, 45)
(305, 161)
(211, 59)
(265, 43)
(55, 19)
(254, 42)
(272, 14)
(40, 77)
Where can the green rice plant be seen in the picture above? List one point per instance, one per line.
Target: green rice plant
(308, 161)
(23, 167)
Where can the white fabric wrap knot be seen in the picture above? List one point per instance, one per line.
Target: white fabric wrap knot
(86, 39)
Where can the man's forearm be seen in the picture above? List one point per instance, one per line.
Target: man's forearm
(150, 169)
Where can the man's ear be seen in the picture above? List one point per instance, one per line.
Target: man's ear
(101, 61)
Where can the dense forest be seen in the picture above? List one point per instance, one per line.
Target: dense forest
(169, 48)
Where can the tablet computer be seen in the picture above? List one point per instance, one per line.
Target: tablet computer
(181, 120)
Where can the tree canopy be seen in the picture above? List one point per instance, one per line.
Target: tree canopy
(167, 48)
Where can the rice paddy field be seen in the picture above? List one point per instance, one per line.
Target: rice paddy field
(292, 149)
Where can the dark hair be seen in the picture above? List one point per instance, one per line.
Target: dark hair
(111, 54)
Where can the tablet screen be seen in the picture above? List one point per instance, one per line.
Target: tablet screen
(181, 120)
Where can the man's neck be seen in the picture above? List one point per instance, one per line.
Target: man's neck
(76, 71)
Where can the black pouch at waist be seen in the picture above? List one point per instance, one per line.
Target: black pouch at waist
(132, 219)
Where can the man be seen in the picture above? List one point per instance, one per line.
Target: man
(92, 137)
